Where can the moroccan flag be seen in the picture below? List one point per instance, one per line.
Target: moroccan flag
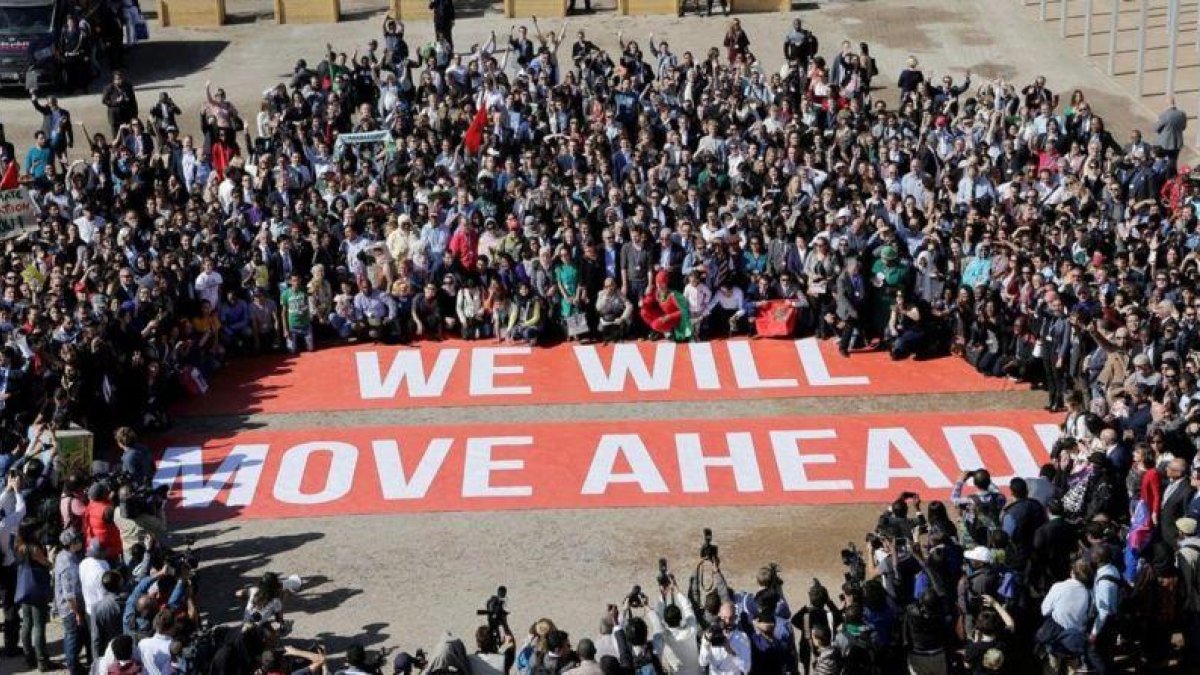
(10, 181)
(776, 318)
(474, 136)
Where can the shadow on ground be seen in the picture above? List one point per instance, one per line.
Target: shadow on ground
(158, 61)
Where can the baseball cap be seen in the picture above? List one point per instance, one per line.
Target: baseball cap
(979, 554)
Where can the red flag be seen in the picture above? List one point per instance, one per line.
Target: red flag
(474, 136)
(11, 179)
(776, 318)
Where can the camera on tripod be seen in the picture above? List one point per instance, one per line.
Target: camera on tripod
(665, 578)
(708, 550)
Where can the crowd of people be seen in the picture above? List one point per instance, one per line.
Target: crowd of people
(512, 192)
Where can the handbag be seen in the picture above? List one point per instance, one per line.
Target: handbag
(33, 585)
(576, 325)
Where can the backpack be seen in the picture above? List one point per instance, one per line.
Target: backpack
(859, 653)
(1120, 614)
(985, 520)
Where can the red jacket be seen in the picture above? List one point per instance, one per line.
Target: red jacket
(97, 526)
(464, 244)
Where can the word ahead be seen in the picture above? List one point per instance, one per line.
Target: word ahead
(466, 374)
(597, 465)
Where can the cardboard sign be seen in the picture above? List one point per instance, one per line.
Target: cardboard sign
(17, 213)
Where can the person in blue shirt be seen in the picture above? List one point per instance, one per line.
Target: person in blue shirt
(39, 156)
(1106, 601)
(135, 458)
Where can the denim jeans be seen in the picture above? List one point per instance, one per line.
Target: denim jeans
(75, 639)
(33, 630)
(341, 324)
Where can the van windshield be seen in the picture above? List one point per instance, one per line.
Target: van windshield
(26, 19)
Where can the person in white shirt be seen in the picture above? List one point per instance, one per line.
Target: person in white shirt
(1068, 604)
(699, 296)
(727, 305)
(91, 571)
(208, 283)
(154, 652)
(88, 224)
(606, 642)
(724, 648)
(673, 625)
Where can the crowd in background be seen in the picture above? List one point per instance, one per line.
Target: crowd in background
(516, 191)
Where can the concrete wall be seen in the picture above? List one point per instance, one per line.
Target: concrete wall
(412, 10)
(307, 11)
(528, 8)
(756, 6)
(644, 7)
(187, 13)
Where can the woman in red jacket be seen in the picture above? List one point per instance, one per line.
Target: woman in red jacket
(98, 523)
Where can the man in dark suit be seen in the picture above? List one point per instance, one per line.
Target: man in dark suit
(121, 102)
(668, 256)
(56, 124)
(1193, 507)
(1175, 500)
(443, 19)
(637, 266)
(850, 294)
(1055, 337)
(1169, 127)
(1053, 545)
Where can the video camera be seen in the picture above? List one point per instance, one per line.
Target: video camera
(709, 550)
(636, 597)
(664, 574)
(715, 634)
(856, 568)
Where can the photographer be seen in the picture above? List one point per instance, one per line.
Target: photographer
(768, 600)
(724, 647)
(264, 601)
(673, 625)
(980, 511)
(707, 589)
(636, 654)
(137, 517)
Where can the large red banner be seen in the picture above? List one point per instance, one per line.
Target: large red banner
(756, 461)
(471, 373)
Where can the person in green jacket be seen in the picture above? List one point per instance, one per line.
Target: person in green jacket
(888, 275)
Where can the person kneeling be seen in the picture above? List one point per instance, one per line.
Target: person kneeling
(909, 326)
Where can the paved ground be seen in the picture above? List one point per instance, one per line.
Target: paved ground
(403, 580)
(992, 38)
